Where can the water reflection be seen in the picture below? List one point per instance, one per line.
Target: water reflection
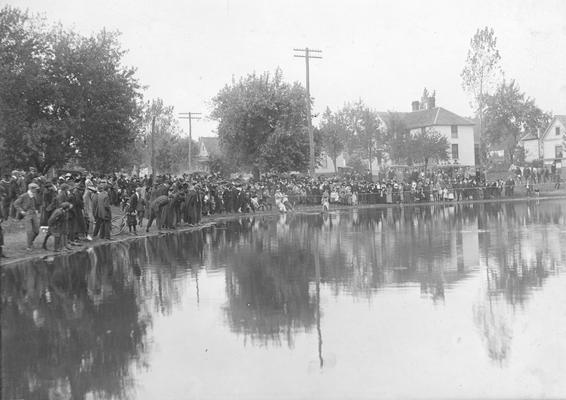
(80, 326)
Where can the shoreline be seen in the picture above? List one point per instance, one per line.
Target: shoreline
(14, 242)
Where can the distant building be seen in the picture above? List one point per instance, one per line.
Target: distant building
(208, 147)
(326, 165)
(459, 131)
(531, 144)
(552, 140)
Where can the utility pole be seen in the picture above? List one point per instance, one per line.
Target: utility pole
(306, 54)
(153, 147)
(190, 116)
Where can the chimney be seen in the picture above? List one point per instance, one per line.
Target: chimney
(415, 105)
(431, 102)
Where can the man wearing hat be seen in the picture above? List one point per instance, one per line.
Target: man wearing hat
(57, 225)
(27, 207)
(88, 197)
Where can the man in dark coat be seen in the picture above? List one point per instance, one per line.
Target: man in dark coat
(102, 213)
(57, 225)
(156, 208)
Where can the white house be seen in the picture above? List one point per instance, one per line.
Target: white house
(459, 131)
(552, 140)
(531, 145)
(326, 165)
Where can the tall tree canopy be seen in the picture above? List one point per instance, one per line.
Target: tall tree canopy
(426, 145)
(364, 132)
(263, 123)
(63, 95)
(333, 134)
(481, 74)
(509, 115)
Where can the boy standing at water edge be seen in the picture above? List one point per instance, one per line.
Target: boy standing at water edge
(27, 206)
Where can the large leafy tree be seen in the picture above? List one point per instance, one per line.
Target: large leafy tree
(428, 144)
(509, 115)
(365, 132)
(333, 134)
(170, 145)
(397, 138)
(32, 132)
(262, 123)
(63, 96)
(482, 71)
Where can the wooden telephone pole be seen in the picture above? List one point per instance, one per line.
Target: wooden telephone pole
(306, 54)
(190, 116)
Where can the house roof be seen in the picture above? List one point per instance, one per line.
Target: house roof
(528, 136)
(211, 144)
(436, 116)
(560, 118)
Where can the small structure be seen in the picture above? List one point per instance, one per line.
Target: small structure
(552, 140)
(531, 145)
(209, 147)
(326, 165)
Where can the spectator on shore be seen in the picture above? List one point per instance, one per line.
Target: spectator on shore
(27, 206)
(58, 226)
(102, 213)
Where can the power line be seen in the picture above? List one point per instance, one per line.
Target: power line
(306, 53)
(190, 116)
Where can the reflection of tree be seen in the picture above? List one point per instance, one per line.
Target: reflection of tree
(59, 336)
(268, 295)
(519, 245)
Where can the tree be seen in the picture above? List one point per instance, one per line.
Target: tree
(170, 147)
(31, 131)
(364, 131)
(428, 144)
(333, 135)
(63, 96)
(482, 71)
(110, 102)
(397, 138)
(258, 114)
(509, 115)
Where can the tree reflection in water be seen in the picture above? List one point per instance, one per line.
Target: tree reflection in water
(76, 327)
(520, 247)
(70, 328)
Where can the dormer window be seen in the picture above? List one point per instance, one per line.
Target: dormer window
(557, 130)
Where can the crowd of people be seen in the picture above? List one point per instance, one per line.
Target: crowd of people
(77, 207)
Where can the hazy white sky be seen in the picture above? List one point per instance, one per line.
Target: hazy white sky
(384, 52)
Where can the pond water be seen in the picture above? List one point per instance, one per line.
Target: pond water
(460, 301)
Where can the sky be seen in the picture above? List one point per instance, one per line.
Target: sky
(382, 52)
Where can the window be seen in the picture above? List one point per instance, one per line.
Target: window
(455, 152)
(557, 130)
(558, 151)
(454, 131)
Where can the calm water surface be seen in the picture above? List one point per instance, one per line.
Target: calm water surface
(461, 301)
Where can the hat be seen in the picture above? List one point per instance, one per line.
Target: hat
(65, 205)
(33, 186)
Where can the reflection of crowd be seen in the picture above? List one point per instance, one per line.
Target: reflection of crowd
(78, 206)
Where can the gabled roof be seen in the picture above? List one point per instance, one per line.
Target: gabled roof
(560, 118)
(528, 136)
(436, 116)
(211, 144)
